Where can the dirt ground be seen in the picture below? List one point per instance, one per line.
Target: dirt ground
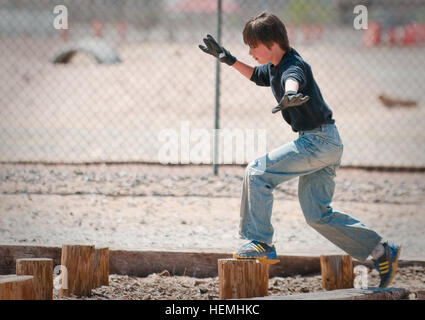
(153, 207)
(188, 208)
(165, 287)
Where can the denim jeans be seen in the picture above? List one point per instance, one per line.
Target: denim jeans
(313, 157)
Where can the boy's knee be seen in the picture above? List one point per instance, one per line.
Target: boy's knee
(255, 175)
(256, 167)
(254, 170)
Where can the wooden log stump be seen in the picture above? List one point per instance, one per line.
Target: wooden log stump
(42, 270)
(337, 272)
(77, 261)
(101, 268)
(13, 287)
(242, 278)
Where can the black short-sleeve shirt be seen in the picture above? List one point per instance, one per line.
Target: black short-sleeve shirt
(311, 114)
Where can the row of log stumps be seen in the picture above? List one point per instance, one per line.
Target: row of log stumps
(248, 278)
(82, 269)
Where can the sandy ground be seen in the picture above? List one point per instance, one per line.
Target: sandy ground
(151, 207)
(188, 208)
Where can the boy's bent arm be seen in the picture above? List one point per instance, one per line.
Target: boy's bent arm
(244, 69)
(291, 98)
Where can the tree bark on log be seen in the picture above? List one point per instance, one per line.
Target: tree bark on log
(13, 287)
(101, 268)
(42, 270)
(337, 272)
(79, 263)
(242, 278)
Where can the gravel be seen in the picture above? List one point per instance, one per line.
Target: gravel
(155, 180)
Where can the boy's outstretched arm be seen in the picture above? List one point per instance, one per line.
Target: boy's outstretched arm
(243, 68)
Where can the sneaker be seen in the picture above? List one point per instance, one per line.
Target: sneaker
(387, 264)
(259, 251)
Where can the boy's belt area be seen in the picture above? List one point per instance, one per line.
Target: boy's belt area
(322, 127)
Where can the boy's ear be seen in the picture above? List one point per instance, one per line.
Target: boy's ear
(274, 45)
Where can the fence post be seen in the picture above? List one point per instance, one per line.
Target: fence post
(217, 95)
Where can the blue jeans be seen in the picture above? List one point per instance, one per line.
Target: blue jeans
(313, 157)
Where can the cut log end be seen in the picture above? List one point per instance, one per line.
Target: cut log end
(337, 272)
(42, 270)
(13, 287)
(78, 264)
(101, 268)
(242, 278)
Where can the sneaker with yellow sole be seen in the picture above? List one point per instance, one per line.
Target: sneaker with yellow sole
(259, 251)
(387, 263)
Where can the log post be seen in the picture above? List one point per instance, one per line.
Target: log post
(13, 287)
(242, 278)
(337, 272)
(42, 270)
(77, 261)
(101, 267)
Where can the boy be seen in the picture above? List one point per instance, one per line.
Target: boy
(313, 157)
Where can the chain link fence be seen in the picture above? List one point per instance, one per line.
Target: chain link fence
(124, 81)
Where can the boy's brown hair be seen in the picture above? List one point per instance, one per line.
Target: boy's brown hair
(266, 28)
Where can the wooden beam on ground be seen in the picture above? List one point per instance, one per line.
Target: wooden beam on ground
(198, 264)
(347, 294)
(194, 264)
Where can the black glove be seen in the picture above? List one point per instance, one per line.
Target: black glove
(214, 49)
(290, 99)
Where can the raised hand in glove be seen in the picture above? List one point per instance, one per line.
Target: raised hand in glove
(290, 99)
(213, 48)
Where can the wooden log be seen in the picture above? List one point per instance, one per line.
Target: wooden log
(13, 287)
(242, 278)
(101, 267)
(42, 270)
(347, 294)
(77, 261)
(337, 272)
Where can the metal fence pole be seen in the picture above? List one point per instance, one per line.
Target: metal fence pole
(217, 95)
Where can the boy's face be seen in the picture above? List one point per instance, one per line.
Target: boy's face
(261, 53)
